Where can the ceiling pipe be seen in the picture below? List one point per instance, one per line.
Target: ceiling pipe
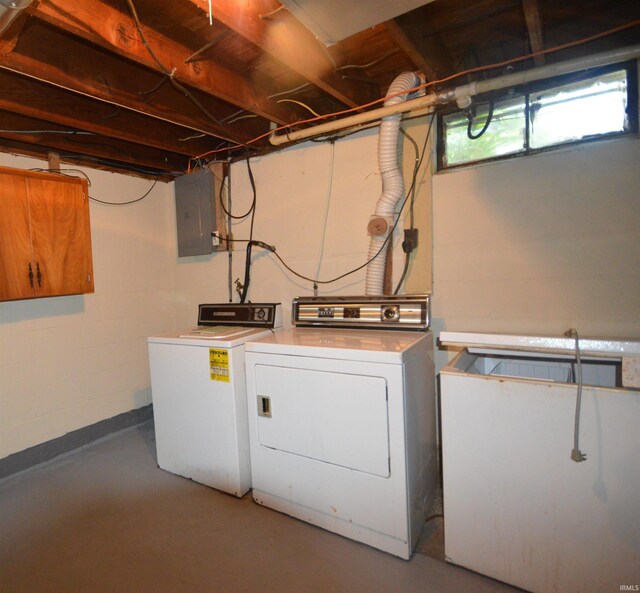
(9, 12)
(462, 94)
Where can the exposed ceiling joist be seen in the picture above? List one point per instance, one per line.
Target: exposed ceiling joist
(99, 23)
(82, 66)
(284, 38)
(534, 28)
(402, 39)
(31, 98)
(51, 58)
(59, 138)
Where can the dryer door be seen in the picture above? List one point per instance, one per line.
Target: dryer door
(334, 417)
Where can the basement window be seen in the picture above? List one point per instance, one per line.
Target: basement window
(567, 110)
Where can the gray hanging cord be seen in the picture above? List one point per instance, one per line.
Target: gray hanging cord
(576, 454)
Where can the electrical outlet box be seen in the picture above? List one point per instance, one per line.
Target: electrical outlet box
(196, 213)
(410, 240)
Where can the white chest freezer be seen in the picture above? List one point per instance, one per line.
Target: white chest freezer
(516, 506)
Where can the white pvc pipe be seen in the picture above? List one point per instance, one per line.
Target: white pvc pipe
(548, 71)
(459, 93)
(392, 180)
(10, 10)
(353, 120)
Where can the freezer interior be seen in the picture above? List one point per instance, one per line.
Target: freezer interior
(596, 372)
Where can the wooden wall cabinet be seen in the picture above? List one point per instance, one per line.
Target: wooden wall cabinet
(45, 236)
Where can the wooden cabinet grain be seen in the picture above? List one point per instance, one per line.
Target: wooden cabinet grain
(45, 236)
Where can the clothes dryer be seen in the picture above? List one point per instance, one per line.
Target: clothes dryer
(342, 420)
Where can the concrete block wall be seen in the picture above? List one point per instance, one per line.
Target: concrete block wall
(541, 244)
(68, 362)
(528, 245)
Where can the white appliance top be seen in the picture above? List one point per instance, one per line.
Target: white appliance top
(364, 345)
(223, 335)
(598, 346)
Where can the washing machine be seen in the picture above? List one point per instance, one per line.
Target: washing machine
(342, 418)
(199, 397)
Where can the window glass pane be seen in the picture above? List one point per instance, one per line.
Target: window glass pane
(574, 111)
(505, 134)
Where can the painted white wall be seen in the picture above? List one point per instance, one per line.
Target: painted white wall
(67, 362)
(540, 244)
(535, 245)
(313, 203)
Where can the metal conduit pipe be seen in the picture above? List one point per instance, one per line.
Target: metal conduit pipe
(459, 94)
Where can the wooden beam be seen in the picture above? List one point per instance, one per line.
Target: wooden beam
(424, 48)
(50, 56)
(407, 46)
(38, 152)
(534, 28)
(222, 226)
(284, 38)
(33, 98)
(98, 22)
(54, 161)
(57, 138)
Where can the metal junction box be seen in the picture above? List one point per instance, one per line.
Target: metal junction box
(196, 213)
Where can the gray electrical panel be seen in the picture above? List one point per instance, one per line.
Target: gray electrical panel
(195, 213)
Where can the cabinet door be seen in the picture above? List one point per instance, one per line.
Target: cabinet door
(60, 234)
(15, 240)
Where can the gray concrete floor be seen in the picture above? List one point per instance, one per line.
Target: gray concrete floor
(106, 519)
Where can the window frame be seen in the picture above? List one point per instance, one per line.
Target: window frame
(526, 90)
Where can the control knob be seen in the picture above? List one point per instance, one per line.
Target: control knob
(390, 313)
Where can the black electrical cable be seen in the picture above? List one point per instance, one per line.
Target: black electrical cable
(405, 269)
(60, 172)
(416, 151)
(142, 197)
(407, 255)
(119, 165)
(170, 74)
(418, 162)
(251, 209)
(247, 261)
(272, 248)
(255, 193)
(473, 136)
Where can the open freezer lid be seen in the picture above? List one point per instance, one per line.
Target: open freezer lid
(556, 344)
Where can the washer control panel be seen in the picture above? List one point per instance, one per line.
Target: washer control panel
(381, 312)
(250, 314)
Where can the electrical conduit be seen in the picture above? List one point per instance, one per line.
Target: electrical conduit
(392, 181)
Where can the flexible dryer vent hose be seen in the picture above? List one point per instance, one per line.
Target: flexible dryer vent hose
(392, 181)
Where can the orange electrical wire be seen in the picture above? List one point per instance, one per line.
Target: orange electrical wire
(428, 84)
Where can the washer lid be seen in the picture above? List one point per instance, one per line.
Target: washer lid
(227, 336)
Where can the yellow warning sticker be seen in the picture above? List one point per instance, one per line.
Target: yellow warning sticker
(219, 364)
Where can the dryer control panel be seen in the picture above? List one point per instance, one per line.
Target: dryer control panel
(379, 312)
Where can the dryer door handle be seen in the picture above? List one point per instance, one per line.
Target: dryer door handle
(264, 406)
